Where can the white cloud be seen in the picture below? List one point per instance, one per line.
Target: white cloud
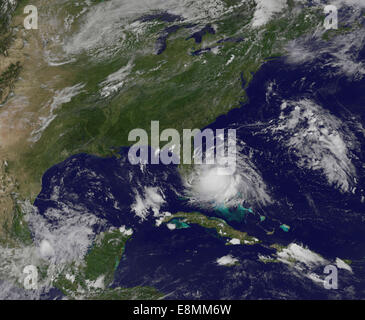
(171, 226)
(125, 231)
(343, 265)
(230, 60)
(104, 24)
(151, 200)
(226, 260)
(235, 241)
(45, 248)
(265, 9)
(354, 3)
(97, 284)
(318, 139)
(65, 235)
(341, 51)
(62, 96)
(295, 252)
(208, 186)
(116, 80)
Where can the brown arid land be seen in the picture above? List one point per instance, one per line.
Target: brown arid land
(24, 102)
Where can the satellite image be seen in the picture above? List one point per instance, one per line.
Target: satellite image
(182, 150)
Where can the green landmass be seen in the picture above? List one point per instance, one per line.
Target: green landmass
(105, 255)
(19, 227)
(17, 232)
(220, 226)
(80, 281)
(8, 78)
(185, 92)
(5, 34)
(278, 247)
(136, 293)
